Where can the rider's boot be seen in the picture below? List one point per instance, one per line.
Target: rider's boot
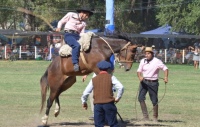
(144, 111)
(155, 113)
(76, 67)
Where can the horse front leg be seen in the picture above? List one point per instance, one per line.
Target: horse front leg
(57, 107)
(49, 104)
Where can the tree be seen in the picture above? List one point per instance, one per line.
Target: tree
(8, 16)
(130, 15)
(182, 15)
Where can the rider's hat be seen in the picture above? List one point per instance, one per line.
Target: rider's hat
(148, 49)
(84, 9)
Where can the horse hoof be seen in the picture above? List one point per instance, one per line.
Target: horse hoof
(44, 120)
(56, 113)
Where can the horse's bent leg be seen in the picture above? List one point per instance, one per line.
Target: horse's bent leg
(69, 81)
(49, 104)
(57, 108)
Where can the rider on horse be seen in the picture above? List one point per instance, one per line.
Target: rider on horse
(74, 25)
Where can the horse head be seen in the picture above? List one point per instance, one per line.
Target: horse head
(126, 56)
(123, 47)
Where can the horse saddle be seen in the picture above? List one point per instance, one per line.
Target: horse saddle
(84, 41)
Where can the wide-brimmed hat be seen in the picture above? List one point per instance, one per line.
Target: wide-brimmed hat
(104, 65)
(85, 10)
(148, 49)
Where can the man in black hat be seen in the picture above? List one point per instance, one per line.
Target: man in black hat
(74, 25)
(104, 107)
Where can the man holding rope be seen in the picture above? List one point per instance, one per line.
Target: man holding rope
(74, 25)
(147, 73)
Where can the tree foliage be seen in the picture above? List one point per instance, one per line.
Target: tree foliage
(182, 15)
(130, 15)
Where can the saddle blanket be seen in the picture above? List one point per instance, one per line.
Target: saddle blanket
(84, 41)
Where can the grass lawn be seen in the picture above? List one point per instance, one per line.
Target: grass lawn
(20, 97)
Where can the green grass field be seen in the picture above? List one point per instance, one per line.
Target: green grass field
(20, 97)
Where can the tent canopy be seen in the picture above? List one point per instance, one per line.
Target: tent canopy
(166, 29)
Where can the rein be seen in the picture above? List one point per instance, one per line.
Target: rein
(125, 47)
(83, 58)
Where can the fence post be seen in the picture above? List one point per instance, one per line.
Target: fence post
(165, 55)
(35, 52)
(50, 53)
(183, 57)
(5, 51)
(20, 52)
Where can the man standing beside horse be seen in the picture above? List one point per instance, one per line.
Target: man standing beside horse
(147, 73)
(74, 25)
(104, 107)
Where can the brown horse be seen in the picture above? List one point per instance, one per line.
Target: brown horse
(60, 75)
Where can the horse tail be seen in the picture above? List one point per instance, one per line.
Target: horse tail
(44, 86)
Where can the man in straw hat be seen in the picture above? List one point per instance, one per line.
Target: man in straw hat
(104, 107)
(147, 73)
(74, 25)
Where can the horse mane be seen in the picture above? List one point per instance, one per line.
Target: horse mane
(116, 35)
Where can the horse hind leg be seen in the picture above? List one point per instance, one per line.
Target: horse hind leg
(69, 81)
(50, 100)
(57, 107)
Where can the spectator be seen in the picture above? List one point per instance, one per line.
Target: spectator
(154, 50)
(161, 55)
(8, 51)
(178, 57)
(170, 53)
(188, 56)
(196, 51)
(45, 51)
(139, 53)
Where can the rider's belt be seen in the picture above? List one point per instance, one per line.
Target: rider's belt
(147, 80)
(71, 31)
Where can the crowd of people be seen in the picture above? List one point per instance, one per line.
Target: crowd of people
(189, 55)
(27, 52)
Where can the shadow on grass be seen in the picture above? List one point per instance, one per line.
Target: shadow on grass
(66, 124)
(129, 124)
(160, 123)
(171, 121)
(126, 123)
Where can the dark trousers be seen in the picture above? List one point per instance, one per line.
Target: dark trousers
(71, 40)
(152, 88)
(105, 113)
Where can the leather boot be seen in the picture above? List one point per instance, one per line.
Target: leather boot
(144, 110)
(155, 113)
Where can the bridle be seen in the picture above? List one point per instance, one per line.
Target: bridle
(123, 48)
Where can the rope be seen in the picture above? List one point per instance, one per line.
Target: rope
(107, 44)
(83, 59)
(154, 105)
